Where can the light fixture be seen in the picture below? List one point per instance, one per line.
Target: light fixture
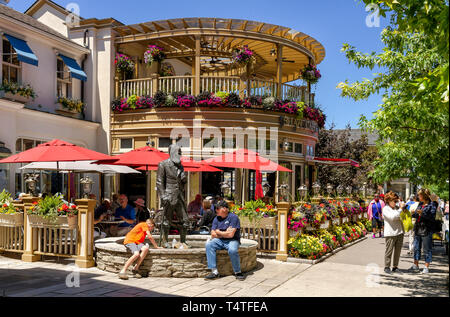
(283, 191)
(87, 186)
(348, 190)
(302, 190)
(316, 189)
(30, 183)
(329, 189)
(340, 190)
(226, 189)
(273, 52)
(266, 188)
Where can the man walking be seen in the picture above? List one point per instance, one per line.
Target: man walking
(225, 234)
(376, 215)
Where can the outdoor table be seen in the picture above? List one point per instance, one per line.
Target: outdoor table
(106, 224)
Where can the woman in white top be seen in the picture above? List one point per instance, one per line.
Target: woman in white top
(393, 231)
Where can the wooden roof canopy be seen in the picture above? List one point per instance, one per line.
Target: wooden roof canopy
(219, 37)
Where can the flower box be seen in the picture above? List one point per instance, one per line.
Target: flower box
(344, 220)
(325, 225)
(293, 233)
(67, 112)
(11, 220)
(336, 221)
(14, 97)
(62, 222)
(266, 223)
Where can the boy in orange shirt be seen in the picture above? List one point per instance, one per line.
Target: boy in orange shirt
(134, 241)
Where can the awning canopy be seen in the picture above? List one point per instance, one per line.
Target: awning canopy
(24, 52)
(80, 166)
(74, 68)
(336, 161)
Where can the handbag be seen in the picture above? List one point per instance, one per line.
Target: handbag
(406, 218)
(421, 229)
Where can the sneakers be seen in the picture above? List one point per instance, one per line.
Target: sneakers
(212, 276)
(425, 270)
(239, 276)
(414, 268)
(387, 270)
(123, 276)
(395, 270)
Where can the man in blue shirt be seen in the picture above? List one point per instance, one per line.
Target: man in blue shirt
(127, 214)
(225, 234)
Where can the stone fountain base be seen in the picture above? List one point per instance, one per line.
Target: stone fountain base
(111, 255)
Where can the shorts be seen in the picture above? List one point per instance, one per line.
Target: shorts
(133, 247)
(377, 223)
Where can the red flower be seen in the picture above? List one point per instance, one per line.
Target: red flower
(5, 205)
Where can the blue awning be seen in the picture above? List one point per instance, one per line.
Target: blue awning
(74, 68)
(24, 52)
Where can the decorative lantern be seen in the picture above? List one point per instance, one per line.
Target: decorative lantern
(87, 186)
(316, 189)
(362, 190)
(340, 190)
(283, 192)
(226, 189)
(30, 183)
(266, 188)
(348, 190)
(370, 191)
(329, 189)
(302, 190)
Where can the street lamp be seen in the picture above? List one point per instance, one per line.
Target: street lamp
(266, 188)
(283, 191)
(226, 189)
(348, 190)
(329, 189)
(302, 190)
(340, 190)
(87, 186)
(316, 189)
(30, 183)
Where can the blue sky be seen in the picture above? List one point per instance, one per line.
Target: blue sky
(331, 22)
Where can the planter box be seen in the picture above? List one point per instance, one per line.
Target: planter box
(16, 97)
(14, 220)
(67, 112)
(344, 220)
(325, 225)
(336, 221)
(293, 234)
(266, 223)
(63, 222)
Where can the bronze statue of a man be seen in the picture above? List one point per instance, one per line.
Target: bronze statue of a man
(170, 182)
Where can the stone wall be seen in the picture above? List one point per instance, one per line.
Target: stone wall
(111, 255)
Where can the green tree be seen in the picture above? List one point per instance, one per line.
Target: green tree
(413, 121)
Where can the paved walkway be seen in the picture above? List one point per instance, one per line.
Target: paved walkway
(355, 271)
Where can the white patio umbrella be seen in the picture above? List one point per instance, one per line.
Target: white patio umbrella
(81, 166)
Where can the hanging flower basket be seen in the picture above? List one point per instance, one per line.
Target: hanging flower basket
(124, 63)
(154, 54)
(310, 74)
(11, 220)
(243, 56)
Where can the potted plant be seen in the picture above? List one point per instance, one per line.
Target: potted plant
(154, 54)
(124, 65)
(16, 92)
(70, 107)
(53, 211)
(256, 214)
(243, 56)
(310, 74)
(9, 214)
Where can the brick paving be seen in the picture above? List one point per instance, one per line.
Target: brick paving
(344, 274)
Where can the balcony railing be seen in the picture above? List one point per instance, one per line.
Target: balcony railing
(230, 84)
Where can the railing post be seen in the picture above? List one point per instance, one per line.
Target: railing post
(155, 84)
(283, 232)
(85, 233)
(29, 233)
(116, 87)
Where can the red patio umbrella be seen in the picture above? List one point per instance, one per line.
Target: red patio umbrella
(145, 156)
(259, 193)
(57, 151)
(188, 164)
(246, 159)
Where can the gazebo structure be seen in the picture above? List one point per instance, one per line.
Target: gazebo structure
(198, 59)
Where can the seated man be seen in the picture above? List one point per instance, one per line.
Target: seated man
(225, 234)
(127, 214)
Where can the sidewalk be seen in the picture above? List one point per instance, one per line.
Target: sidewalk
(355, 271)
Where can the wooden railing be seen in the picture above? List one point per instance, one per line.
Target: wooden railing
(176, 83)
(230, 84)
(33, 241)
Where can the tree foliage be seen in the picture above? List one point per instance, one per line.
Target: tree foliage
(338, 144)
(413, 121)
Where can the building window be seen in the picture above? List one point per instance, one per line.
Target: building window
(229, 143)
(126, 144)
(211, 143)
(63, 80)
(11, 67)
(184, 142)
(164, 142)
(288, 147)
(298, 148)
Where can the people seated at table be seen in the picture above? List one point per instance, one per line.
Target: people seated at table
(115, 202)
(142, 211)
(213, 205)
(100, 214)
(225, 235)
(126, 213)
(195, 207)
